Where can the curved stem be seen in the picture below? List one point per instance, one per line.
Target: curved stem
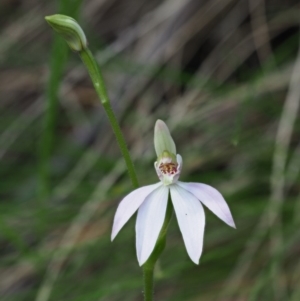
(100, 88)
(149, 265)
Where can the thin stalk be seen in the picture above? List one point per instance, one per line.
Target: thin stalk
(148, 283)
(98, 82)
(148, 267)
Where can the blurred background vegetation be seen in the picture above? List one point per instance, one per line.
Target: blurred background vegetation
(223, 74)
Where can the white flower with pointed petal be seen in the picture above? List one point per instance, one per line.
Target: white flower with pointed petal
(187, 198)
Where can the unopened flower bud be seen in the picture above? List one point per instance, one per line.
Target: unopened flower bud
(70, 30)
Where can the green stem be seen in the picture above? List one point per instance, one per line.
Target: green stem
(148, 283)
(97, 79)
(149, 265)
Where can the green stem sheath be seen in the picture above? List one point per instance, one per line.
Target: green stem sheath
(148, 267)
(100, 88)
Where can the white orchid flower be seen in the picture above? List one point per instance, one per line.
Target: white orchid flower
(187, 198)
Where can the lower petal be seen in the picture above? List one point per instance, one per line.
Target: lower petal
(191, 220)
(129, 205)
(212, 199)
(150, 218)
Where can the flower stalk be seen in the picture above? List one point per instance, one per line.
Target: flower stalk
(99, 85)
(73, 34)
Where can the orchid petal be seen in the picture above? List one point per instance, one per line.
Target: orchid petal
(212, 199)
(150, 218)
(162, 139)
(191, 220)
(129, 205)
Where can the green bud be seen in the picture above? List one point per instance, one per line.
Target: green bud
(70, 30)
(162, 139)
